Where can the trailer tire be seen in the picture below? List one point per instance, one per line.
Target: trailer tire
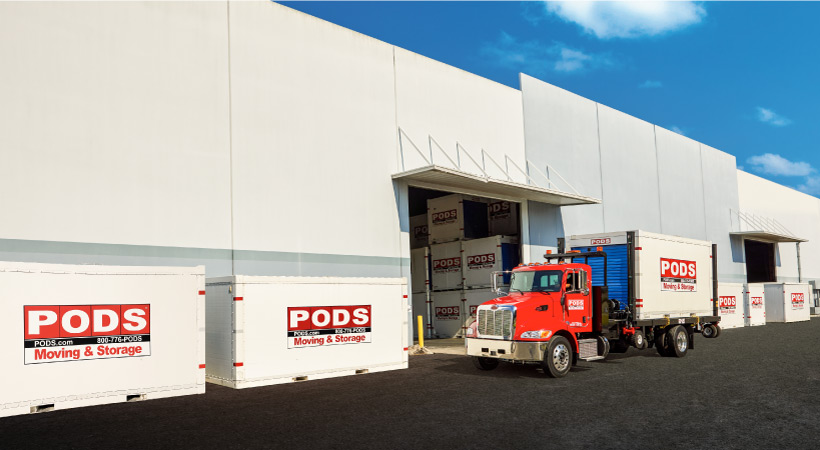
(639, 340)
(558, 357)
(483, 363)
(710, 331)
(678, 340)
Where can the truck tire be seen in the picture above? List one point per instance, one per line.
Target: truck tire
(710, 331)
(485, 363)
(661, 344)
(603, 346)
(639, 340)
(678, 340)
(619, 346)
(558, 357)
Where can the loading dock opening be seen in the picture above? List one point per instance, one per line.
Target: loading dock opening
(450, 307)
(760, 261)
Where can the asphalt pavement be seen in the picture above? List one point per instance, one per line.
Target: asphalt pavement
(755, 387)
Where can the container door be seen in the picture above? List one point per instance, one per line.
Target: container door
(616, 271)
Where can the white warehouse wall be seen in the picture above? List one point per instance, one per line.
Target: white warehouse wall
(797, 212)
(648, 177)
(314, 139)
(114, 133)
(451, 105)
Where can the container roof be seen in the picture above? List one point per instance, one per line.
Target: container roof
(447, 179)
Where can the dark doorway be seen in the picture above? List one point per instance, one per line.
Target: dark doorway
(760, 262)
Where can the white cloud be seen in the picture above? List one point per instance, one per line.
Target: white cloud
(772, 118)
(772, 164)
(537, 58)
(628, 19)
(677, 129)
(649, 84)
(811, 186)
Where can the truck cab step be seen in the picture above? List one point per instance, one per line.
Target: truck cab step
(593, 358)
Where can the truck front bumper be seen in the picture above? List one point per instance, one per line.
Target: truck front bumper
(512, 350)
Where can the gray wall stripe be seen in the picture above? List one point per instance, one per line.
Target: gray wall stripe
(96, 249)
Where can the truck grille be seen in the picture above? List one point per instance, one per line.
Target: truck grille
(496, 322)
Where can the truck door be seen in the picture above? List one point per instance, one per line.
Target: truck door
(578, 300)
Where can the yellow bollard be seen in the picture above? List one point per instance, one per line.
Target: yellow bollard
(421, 333)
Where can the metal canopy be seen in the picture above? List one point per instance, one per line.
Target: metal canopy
(447, 179)
(770, 236)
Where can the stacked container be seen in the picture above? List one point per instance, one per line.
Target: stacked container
(448, 313)
(730, 305)
(754, 306)
(787, 302)
(446, 266)
(419, 236)
(456, 217)
(482, 257)
(503, 218)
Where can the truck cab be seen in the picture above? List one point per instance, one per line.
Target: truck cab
(547, 307)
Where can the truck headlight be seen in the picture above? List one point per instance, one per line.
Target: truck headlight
(540, 334)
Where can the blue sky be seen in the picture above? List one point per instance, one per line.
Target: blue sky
(738, 76)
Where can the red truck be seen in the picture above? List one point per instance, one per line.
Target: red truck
(606, 293)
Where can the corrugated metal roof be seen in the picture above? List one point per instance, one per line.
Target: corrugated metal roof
(447, 179)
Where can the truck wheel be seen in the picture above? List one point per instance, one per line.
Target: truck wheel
(485, 363)
(619, 346)
(639, 340)
(717, 327)
(678, 340)
(603, 346)
(710, 331)
(661, 342)
(558, 357)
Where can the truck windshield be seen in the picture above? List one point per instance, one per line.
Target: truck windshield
(536, 281)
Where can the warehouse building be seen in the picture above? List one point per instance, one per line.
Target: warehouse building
(258, 140)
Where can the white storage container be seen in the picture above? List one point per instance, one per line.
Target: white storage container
(93, 335)
(503, 218)
(270, 330)
(448, 307)
(456, 217)
(672, 275)
(482, 257)
(445, 261)
(754, 304)
(420, 308)
(730, 305)
(419, 269)
(419, 237)
(787, 302)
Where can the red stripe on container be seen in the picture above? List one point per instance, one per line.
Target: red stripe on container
(403, 296)
(238, 299)
(638, 248)
(202, 366)
(238, 364)
(201, 292)
(406, 348)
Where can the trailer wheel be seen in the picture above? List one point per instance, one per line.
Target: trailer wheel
(619, 346)
(485, 363)
(678, 340)
(639, 340)
(558, 357)
(710, 331)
